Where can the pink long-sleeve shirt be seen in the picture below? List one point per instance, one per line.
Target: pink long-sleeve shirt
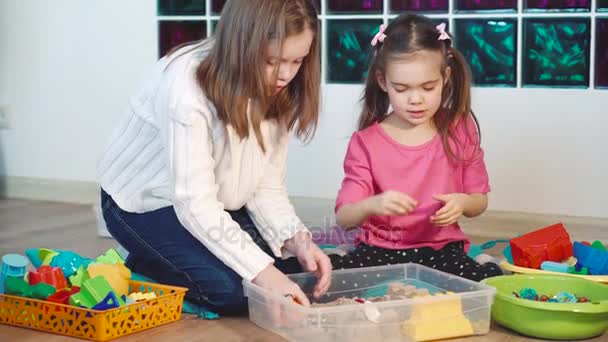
(376, 163)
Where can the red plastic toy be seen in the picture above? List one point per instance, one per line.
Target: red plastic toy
(48, 275)
(547, 244)
(63, 296)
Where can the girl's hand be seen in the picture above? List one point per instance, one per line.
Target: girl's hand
(391, 203)
(312, 259)
(453, 209)
(275, 281)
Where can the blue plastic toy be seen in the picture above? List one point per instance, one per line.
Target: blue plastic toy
(594, 259)
(475, 250)
(555, 266)
(13, 265)
(109, 302)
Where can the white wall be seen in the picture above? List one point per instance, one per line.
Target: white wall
(67, 68)
(545, 149)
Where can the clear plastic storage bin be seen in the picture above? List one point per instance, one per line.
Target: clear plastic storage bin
(455, 307)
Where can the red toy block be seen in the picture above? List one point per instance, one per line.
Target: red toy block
(48, 275)
(547, 244)
(63, 296)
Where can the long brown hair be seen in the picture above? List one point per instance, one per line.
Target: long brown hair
(405, 35)
(234, 71)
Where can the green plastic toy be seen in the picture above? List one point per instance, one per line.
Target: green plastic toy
(597, 244)
(93, 292)
(19, 287)
(79, 277)
(111, 256)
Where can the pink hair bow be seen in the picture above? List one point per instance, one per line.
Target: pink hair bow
(442, 34)
(380, 36)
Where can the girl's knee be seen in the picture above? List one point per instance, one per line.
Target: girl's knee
(227, 297)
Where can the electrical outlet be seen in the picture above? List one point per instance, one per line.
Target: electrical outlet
(5, 119)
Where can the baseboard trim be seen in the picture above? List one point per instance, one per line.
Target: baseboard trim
(57, 190)
(43, 189)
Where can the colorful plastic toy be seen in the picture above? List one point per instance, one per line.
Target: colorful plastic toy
(555, 266)
(111, 256)
(116, 274)
(63, 296)
(13, 265)
(581, 271)
(109, 302)
(79, 277)
(40, 256)
(594, 259)
(547, 244)
(19, 287)
(139, 296)
(597, 244)
(67, 260)
(93, 292)
(48, 275)
(475, 250)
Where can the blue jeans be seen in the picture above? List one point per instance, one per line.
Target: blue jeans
(162, 249)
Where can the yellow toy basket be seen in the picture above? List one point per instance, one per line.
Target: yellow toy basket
(92, 324)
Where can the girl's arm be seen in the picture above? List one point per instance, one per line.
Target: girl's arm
(350, 216)
(387, 203)
(475, 205)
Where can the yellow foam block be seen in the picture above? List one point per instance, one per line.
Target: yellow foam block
(139, 296)
(437, 320)
(117, 275)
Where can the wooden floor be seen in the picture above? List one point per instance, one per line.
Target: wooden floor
(28, 224)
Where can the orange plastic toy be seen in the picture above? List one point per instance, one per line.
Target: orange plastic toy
(547, 244)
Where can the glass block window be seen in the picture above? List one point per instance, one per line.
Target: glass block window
(174, 33)
(421, 6)
(601, 53)
(349, 49)
(557, 38)
(181, 7)
(556, 52)
(217, 6)
(490, 47)
(557, 5)
(354, 6)
(486, 5)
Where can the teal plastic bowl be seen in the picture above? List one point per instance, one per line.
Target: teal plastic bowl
(558, 321)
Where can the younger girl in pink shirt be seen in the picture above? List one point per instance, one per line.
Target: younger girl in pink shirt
(415, 166)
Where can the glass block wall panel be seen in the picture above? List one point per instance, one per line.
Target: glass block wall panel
(556, 52)
(602, 5)
(561, 5)
(485, 5)
(435, 21)
(489, 45)
(349, 47)
(354, 6)
(174, 33)
(427, 6)
(601, 53)
(181, 7)
(217, 6)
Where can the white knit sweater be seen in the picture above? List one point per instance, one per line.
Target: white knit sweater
(170, 149)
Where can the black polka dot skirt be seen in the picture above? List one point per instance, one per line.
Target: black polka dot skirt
(451, 259)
